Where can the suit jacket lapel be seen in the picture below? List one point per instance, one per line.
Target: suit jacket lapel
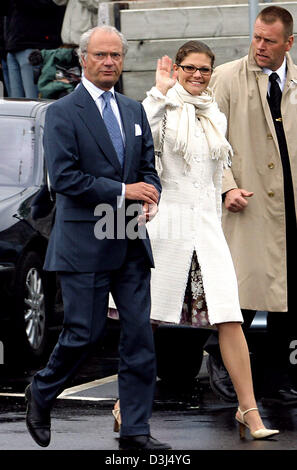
(91, 117)
(262, 80)
(129, 129)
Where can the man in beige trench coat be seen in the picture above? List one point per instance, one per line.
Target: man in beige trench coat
(260, 196)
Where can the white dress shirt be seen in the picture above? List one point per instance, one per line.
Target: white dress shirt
(282, 73)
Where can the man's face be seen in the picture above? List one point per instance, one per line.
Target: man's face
(103, 63)
(270, 44)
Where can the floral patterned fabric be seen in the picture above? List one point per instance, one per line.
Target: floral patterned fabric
(194, 312)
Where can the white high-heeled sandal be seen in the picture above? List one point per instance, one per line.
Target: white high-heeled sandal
(259, 434)
(117, 416)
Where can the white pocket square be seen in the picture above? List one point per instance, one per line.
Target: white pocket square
(138, 130)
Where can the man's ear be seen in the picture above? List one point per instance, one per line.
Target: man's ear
(290, 43)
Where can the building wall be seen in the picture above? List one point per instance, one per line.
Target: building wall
(156, 28)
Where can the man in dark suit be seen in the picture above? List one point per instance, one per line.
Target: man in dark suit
(100, 155)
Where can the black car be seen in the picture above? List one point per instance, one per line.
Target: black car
(27, 293)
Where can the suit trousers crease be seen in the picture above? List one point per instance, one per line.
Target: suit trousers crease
(85, 298)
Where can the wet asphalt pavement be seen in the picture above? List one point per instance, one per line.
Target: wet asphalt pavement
(187, 415)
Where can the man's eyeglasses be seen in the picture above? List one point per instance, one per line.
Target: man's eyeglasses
(205, 71)
(103, 55)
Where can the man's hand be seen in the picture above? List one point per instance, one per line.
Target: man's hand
(142, 192)
(235, 200)
(149, 212)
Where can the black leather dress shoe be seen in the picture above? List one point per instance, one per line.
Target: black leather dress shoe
(38, 420)
(285, 396)
(219, 379)
(145, 442)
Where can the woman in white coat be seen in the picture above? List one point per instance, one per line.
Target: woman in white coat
(187, 238)
(194, 279)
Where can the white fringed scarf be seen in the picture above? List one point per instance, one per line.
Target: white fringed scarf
(203, 107)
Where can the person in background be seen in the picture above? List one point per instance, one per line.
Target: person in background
(258, 95)
(29, 24)
(3, 65)
(60, 71)
(80, 16)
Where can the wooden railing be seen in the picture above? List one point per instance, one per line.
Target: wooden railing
(154, 28)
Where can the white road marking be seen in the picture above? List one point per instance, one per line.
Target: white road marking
(88, 385)
(68, 392)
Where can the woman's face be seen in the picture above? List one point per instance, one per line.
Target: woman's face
(194, 82)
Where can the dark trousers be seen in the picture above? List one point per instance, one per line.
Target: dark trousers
(85, 297)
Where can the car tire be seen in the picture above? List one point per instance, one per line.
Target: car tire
(179, 352)
(32, 308)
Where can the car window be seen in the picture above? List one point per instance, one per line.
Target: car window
(16, 151)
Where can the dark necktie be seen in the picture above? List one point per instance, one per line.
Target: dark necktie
(274, 101)
(275, 97)
(113, 127)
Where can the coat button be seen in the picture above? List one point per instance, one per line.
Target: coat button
(196, 184)
(270, 193)
(269, 136)
(271, 165)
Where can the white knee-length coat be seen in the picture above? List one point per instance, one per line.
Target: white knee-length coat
(189, 219)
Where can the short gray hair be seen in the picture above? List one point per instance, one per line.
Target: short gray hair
(85, 39)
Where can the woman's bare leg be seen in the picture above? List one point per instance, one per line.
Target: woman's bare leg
(235, 355)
